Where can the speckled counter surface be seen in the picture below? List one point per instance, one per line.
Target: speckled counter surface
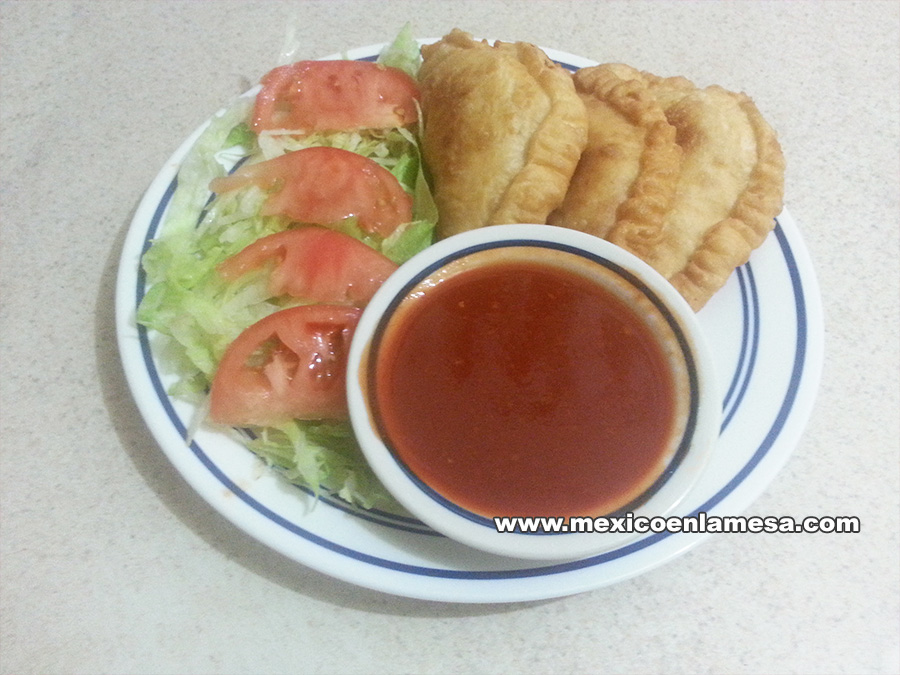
(109, 563)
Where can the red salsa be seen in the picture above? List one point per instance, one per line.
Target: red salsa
(519, 388)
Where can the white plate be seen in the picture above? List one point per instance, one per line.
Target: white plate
(765, 329)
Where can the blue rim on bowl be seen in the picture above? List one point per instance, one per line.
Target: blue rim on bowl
(672, 321)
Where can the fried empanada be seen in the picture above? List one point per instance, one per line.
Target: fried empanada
(626, 178)
(730, 185)
(503, 129)
(754, 176)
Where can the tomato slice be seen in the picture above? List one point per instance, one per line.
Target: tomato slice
(322, 185)
(314, 263)
(290, 365)
(311, 96)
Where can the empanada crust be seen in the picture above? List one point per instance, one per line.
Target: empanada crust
(503, 129)
(688, 179)
(626, 179)
(729, 187)
(728, 243)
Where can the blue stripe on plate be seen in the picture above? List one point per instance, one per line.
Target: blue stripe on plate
(745, 309)
(750, 331)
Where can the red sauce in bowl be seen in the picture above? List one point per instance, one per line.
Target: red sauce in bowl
(521, 388)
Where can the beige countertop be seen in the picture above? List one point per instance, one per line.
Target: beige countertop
(110, 563)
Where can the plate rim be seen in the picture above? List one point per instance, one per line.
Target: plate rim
(790, 424)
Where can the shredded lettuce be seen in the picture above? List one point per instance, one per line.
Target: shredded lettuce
(197, 314)
(321, 456)
(403, 53)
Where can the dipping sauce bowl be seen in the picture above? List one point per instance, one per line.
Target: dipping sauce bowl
(537, 372)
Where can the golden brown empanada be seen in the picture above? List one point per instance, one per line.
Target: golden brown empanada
(730, 184)
(756, 180)
(625, 181)
(503, 131)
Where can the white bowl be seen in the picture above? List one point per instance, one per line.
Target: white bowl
(678, 463)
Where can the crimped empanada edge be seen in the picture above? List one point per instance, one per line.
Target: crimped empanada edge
(554, 148)
(640, 217)
(729, 243)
